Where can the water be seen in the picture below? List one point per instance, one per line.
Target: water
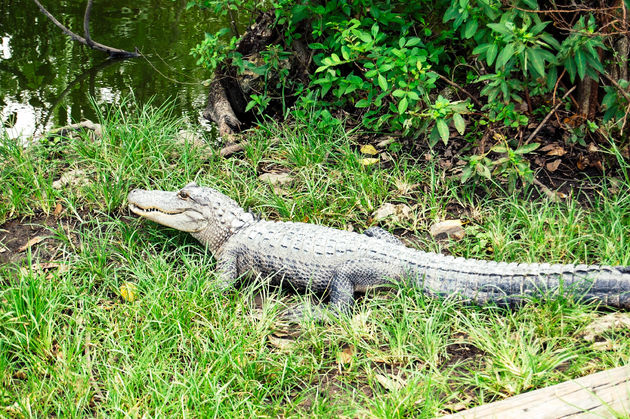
(47, 80)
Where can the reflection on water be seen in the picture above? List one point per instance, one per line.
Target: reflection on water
(47, 80)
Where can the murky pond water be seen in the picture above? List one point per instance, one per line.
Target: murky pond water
(47, 80)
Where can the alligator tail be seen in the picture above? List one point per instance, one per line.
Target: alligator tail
(510, 283)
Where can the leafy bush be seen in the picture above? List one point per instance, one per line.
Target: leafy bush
(410, 66)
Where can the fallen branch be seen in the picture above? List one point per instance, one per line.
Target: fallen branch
(551, 112)
(457, 86)
(231, 149)
(113, 52)
(66, 130)
(552, 195)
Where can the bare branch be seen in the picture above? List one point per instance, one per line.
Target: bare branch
(546, 118)
(113, 52)
(86, 24)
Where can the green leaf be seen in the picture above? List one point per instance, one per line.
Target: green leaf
(491, 53)
(250, 105)
(527, 148)
(536, 61)
(413, 95)
(402, 105)
(480, 49)
(500, 27)
(398, 93)
(363, 103)
(499, 149)
(569, 64)
(466, 174)
(471, 28)
(460, 123)
(504, 56)
(382, 82)
(412, 42)
(345, 52)
(365, 37)
(580, 63)
(442, 128)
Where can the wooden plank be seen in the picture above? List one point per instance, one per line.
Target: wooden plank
(605, 394)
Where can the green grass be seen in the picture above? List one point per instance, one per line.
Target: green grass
(70, 345)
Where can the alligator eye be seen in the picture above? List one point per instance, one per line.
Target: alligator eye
(183, 195)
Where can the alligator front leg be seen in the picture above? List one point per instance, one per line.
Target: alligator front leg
(227, 268)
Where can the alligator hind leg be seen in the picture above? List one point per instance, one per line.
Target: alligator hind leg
(357, 275)
(341, 299)
(382, 234)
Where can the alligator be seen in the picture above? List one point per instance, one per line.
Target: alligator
(327, 260)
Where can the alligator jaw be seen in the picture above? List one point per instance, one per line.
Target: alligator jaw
(168, 209)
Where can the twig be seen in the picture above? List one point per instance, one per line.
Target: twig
(552, 195)
(231, 149)
(551, 112)
(452, 83)
(88, 361)
(87, 124)
(86, 24)
(113, 52)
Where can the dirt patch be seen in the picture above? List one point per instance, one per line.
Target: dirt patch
(33, 234)
(462, 352)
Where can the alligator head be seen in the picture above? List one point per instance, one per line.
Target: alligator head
(206, 213)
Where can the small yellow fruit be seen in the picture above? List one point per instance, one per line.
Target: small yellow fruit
(368, 161)
(129, 291)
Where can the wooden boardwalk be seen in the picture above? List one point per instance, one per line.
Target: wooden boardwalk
(605, 394)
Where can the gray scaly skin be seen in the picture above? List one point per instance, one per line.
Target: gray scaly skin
(320, 259)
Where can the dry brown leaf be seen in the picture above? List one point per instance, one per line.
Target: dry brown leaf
(498, 137)
(189, 137)
(369, 149)
(58, 209)
(32, 242)
(384, 143)
(582, 162)
(281, 343)
(276, 179)
(49, 265)
(554, 149)
(75, 177)
(346, 355)
(553, 166)
(447, 229)
(19, 375)
(391, 382)
(606, 345)
(404, 188)
(459, 405)
(397, 212)
(612, 321)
